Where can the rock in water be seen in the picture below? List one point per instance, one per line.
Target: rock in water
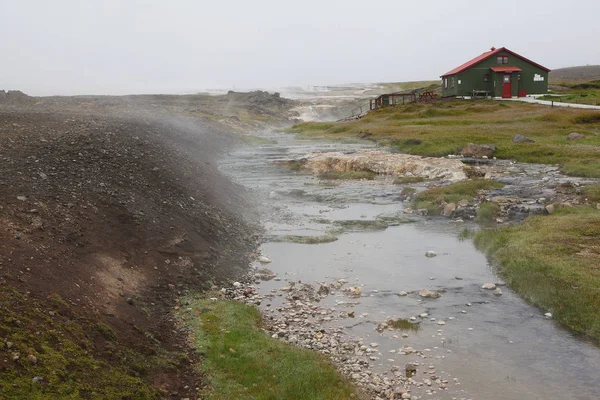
(429, 294)
(489, 286)
(402, 293)
(548, 315)
(353, 291)
(448, 209)
(430, 254)
(522, 139)
(264, 260)
(498, 292)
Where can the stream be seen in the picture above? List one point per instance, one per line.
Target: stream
(485, 346)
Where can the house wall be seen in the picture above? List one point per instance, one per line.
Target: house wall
(533, 80)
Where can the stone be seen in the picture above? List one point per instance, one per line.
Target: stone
(441, 323)
(37, 379)
(353, 291)
(402, 293)
(548, 315)
(478, 150)
(21, 198)
(448, 209)
(489, 286)
(323, 290)
(522, 139)
(32, 359)
(575, 136)
(463, 203)
(351, 314)
(498, 292)
(237, 284)
(429, 294)
(430, 253)
(410, 370)
(264, 260)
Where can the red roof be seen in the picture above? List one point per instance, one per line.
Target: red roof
(487, 55)
(506, 69)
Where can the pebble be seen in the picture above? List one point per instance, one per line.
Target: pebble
(498, 292)
(264, 260)
(489, 286)
(430, 253)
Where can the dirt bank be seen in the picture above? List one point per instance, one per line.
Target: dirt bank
(104, 220)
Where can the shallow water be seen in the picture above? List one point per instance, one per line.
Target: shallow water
(498, 347)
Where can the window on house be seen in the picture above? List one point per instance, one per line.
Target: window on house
(486, 77)
(502, 59)
(446, 83)
(452, 82)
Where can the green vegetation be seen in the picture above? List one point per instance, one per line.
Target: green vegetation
(68, 360)
(328, 238)
(431, 199)
(348, 175)
(576, 91)
(443, 128)
(241, 362)
(487, 213)
(408, 179)
(552, 261)
(404, 325)
(591, 193)
(361, 225)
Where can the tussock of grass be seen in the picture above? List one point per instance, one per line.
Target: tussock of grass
(552, 261)
(404, 325)
(361, 225)
(348, 175)
(588, 118)
(487, 213)
(430, 199)
(241, 362)
(408, 179)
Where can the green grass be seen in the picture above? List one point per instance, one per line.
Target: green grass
(305, 239)
(361, 225)
(404, 325)
(591, 193)
(431, 199)
(554, 263)
(444, 128)
(241, 362)
(487, 213)
(348, 175)
(408, 179)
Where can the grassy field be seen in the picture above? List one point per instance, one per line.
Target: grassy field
(446, 127)
(577, 92)
(241, 362)
(553, 262)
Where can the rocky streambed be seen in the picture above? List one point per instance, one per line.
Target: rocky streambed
(400, 301)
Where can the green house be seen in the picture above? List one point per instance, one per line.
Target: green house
(497, 73)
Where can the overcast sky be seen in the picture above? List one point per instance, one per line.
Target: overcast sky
(183, 46)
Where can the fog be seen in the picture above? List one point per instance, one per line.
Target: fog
(183, 46)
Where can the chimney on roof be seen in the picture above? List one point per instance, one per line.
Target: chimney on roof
(493, 48)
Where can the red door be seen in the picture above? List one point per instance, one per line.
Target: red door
(506, 86)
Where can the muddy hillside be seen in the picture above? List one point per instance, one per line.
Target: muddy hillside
(105, 219)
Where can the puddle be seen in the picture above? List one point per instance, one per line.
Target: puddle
(496, 347)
